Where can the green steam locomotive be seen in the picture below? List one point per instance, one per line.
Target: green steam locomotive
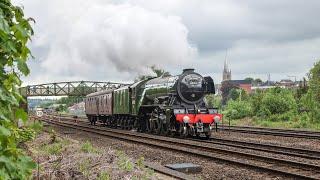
(171, 105)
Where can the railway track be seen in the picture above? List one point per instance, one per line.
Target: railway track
(272, 131)
(290, 168)
(284, 150)
(256, 130)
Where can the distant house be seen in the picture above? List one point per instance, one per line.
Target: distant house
(77, 109)
(286, 82)
(242, 84)
(269, 83)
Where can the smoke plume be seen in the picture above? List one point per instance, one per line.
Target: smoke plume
(89, 37)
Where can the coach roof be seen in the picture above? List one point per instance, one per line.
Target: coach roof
(100, 93)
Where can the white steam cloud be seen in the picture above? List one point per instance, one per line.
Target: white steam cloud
(95, 37)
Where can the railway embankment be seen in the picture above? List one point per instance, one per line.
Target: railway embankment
(60, 156)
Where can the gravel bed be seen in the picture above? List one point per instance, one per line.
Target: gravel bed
(268, 154)
(211, 169)
(304, 143)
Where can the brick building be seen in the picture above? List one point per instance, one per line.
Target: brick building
(242, 84)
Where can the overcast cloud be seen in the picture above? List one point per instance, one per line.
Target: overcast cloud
(117, 40)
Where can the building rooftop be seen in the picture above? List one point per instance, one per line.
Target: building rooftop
(239, 81)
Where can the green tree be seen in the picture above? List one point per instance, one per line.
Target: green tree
(257, 81)
(70, 100)
(15, 32)
(213, 101)
(302, 89)
(249, 79)
(314, 81)
(234, 94)
(238, 109)
(226, 87)
(255, 100)
(61, 108)
(238, 94)
(277, 101)
(312, 98)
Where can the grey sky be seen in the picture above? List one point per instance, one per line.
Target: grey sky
(117, 40)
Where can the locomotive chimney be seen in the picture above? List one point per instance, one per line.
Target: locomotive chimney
(188, 70)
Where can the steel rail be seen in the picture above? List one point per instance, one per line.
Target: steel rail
(285, 150)
(292, 133)
(274, 129)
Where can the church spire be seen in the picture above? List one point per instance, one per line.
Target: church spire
(225, 67)
(226, 71)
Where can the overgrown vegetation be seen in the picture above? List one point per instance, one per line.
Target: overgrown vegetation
(124, 162)
(84, 167)
(238, 109)
(88, 148)
(276, 107)
(54, 147)
(104, 176)
(15, 32)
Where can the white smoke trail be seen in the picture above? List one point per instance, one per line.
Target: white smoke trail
(90, 36)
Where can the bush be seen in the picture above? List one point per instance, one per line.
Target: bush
(16, 32)
(277, 101)
(24, 134)
(309, 104)
(281, 117)
(213, 101)
(238, 109)
(36, 126)
(255, 101)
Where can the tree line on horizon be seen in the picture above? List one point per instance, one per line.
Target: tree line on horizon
(300, 105)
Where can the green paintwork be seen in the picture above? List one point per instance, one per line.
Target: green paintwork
(121, 100)
(158, 87)
(137, 90)
(141, 93)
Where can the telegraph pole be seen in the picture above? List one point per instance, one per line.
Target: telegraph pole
(295, 78)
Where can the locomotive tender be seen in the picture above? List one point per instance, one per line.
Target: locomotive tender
(163, 105)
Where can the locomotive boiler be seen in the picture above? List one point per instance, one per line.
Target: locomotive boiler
(164, 105)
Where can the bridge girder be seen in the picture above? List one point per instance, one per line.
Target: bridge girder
(72, 88)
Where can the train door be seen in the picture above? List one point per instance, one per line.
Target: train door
(130, 100)
(97, 105)
(132, 95)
